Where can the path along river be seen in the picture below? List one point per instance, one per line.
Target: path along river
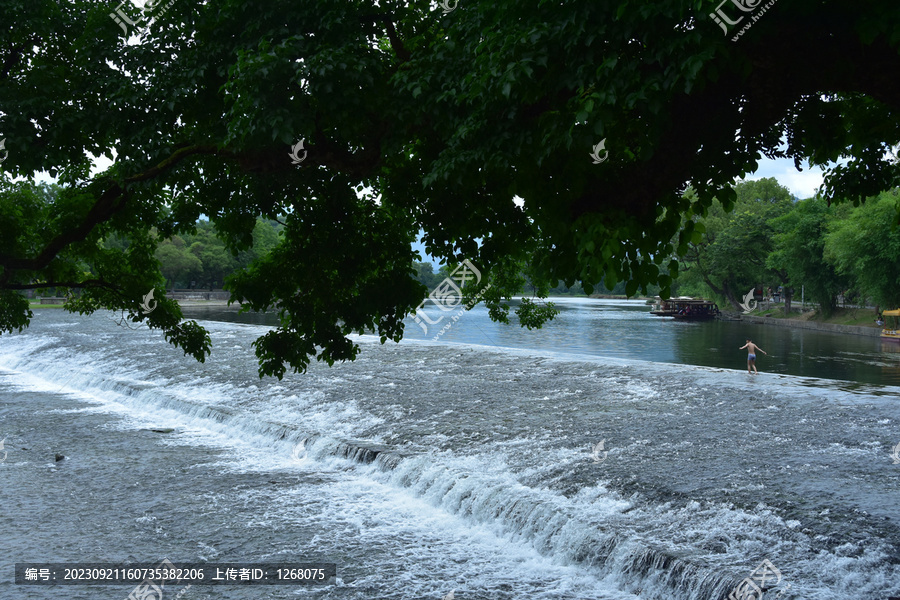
(470, 464)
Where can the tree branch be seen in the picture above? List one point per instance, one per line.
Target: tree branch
(110, 202)
(396, 43)
(15, 55)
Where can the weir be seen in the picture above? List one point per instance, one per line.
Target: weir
(708, 472)
(550, 527)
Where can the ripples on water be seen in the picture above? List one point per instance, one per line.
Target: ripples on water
(428, 467)
(626, 329)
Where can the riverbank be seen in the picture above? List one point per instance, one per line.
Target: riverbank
(181, 302)
(854, 321)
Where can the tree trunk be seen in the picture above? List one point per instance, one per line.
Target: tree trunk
(723, 291)
(729, 295)
(788, 294)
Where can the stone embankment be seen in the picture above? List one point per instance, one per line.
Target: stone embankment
(799, 324)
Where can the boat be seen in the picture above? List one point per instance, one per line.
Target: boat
(696, 310)
(686, 309)
(890, 331)
(666, 308)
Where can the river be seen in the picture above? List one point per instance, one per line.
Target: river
(472, 464)
(626, 329)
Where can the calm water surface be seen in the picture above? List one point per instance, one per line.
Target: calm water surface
(626, 329)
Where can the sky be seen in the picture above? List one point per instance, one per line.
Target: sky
(802, 184)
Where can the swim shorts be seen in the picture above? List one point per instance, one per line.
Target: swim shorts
(751, 357)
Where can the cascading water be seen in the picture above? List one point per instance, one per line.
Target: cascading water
(424, 468)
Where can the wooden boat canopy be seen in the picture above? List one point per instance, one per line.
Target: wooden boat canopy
(686, 308)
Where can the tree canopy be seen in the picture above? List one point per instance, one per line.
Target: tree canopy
(731, 255)
(866, 247)
(799, 252)
(414, 116)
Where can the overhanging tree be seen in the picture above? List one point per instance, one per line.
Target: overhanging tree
(413, 119)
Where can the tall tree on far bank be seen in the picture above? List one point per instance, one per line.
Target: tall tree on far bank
(177, 263)
(730, 256)
(799, 251)
(426, 275)
(865, 245)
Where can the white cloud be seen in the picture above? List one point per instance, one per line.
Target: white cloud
(802, 184)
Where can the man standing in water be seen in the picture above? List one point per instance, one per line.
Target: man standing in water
(751, 355)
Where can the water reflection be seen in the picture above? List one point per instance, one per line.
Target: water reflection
(890, 352)
(228, 314)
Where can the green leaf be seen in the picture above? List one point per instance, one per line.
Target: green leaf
(631, 288)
